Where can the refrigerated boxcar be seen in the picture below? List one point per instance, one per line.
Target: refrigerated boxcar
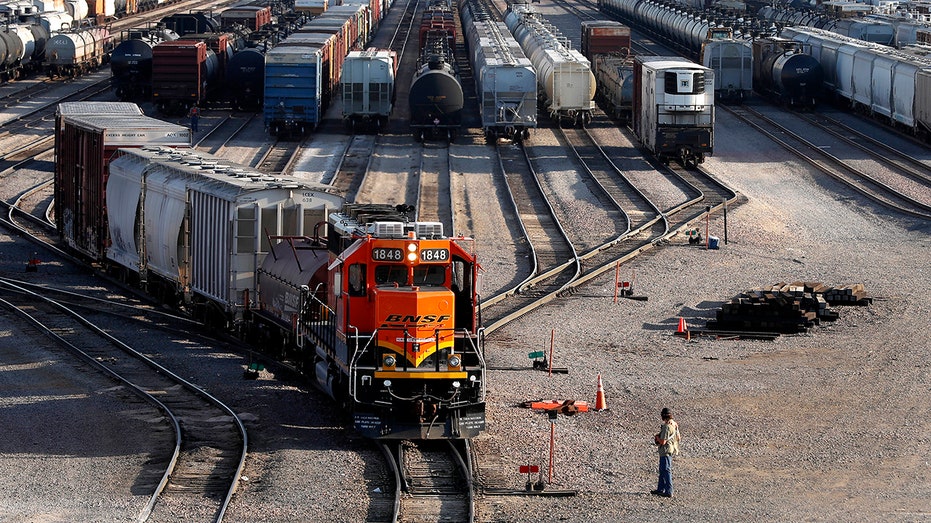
(674, 108)
(86, 136)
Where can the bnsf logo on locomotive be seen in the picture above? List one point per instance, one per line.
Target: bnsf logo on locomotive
(420, 319)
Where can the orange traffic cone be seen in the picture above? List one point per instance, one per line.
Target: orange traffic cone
(683, 328)
(600, 403)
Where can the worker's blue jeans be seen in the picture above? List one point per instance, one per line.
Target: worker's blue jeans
(665, 475)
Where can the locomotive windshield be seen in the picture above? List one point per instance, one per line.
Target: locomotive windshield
(423, 275)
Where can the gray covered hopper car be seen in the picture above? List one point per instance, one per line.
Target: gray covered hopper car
(207, 224)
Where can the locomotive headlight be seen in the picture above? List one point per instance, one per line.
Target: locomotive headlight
(456, 384)
(411, 247)
(454, 361)
(472, 378)
(387, 384)
(390, 361)
(412, 257)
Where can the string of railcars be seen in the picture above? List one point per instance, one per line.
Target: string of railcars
(854, 20)
(606, 44)
(200, 58)
(302, 73)
(891, 85)
(435, 97)
(379, 311)
(505, 80)
(564, 75)
(62, 38)
(782, 70)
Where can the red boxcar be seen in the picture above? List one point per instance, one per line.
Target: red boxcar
(183, 72)
(251, 17)
(604, 37)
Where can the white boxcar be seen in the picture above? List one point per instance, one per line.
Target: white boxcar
(367, 86)
(674, 108)
(205, 222)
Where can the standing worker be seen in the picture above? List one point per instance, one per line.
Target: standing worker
(195, 117)
(667, 444)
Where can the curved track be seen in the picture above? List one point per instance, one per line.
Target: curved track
(201, 473)
(842, 170)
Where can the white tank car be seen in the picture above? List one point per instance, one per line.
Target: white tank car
(77, 51)
(563, 73)
(206, 223)
(505, 79)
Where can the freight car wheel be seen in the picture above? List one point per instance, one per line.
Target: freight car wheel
(525, 134)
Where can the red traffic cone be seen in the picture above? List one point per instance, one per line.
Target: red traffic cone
(683, 328)
(600, 403)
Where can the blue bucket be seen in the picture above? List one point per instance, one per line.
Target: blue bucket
(712, 242)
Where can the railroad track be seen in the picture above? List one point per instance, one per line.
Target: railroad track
(434, 193)
(433, 479)
(648, 226)
(844, 171)
(893, 158)
(354, 165)
(200, 473)
(280, 156)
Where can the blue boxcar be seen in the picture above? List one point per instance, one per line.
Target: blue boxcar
(293, 90)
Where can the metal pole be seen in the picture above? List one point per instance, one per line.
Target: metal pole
(552, 341)
(552, 448)
(725, 223)
(707, 220)
(617, 269)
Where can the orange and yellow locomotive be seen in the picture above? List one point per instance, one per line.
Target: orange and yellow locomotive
(384, 314)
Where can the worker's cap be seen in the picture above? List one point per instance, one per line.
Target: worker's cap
(666, 413)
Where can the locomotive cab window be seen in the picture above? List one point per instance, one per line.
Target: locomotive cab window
(430, 275)
(357, 279)
(391, 275)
